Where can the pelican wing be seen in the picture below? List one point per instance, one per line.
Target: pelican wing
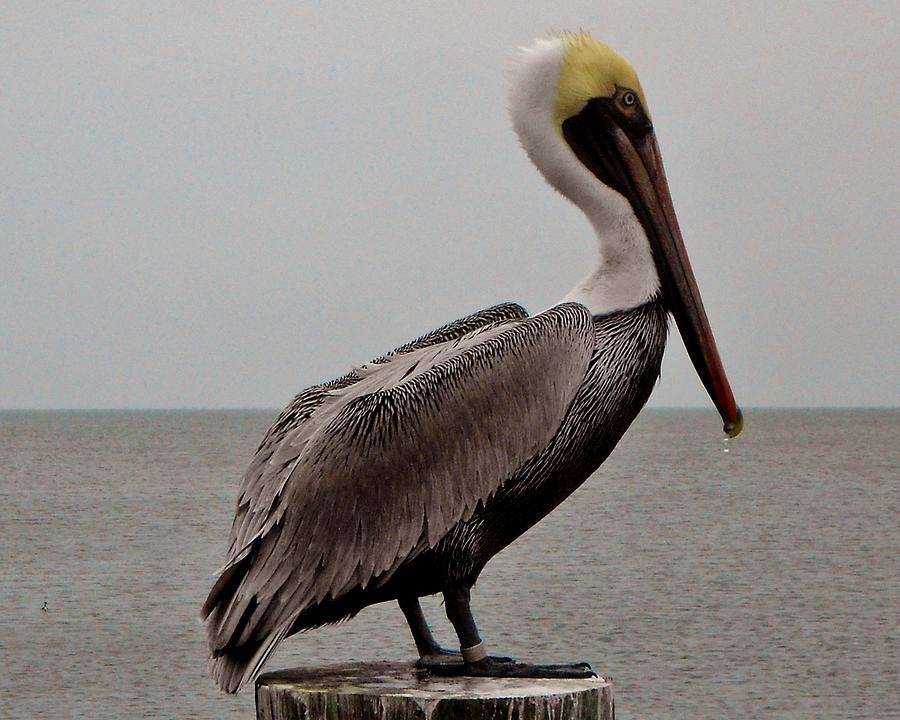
(263, 481)
(382, 468)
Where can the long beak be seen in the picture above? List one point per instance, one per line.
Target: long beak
(644, 166)
(631, 164)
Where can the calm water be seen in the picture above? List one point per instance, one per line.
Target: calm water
(760, 581)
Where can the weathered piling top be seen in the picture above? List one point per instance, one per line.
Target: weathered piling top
(396, 691)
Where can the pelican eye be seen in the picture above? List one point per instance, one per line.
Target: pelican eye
(629, 99)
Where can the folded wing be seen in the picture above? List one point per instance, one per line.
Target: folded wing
(383, 467)
(263, 481)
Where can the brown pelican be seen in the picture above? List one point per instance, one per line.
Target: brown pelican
(402, 478)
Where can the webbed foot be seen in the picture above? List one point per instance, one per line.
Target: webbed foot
(504, 667)
(439, 657)
(490, 667)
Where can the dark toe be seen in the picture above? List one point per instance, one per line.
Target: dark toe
(491, 667)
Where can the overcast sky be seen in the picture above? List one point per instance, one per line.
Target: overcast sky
(217, 204)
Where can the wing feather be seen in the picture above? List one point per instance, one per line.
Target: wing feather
(258, 507)
(412, 434)
(385, 464)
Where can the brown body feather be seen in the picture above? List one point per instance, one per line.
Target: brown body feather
(360, 476)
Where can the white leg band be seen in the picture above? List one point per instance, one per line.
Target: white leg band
(474, 653)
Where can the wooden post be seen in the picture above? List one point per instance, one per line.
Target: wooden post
(395, 691)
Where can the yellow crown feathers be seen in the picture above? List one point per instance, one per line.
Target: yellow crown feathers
(591, 69)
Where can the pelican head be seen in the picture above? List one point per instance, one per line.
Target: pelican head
(581, 115)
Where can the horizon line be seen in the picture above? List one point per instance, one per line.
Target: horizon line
(263, 408)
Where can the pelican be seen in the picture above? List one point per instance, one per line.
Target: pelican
(404, 477)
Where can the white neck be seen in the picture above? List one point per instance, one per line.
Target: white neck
(625, 275)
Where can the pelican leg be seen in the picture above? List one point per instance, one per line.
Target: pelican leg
(476, 661)
(430, 653)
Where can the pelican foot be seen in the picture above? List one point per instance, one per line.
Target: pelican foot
(490, 667)
(439, 657)
(504, 667)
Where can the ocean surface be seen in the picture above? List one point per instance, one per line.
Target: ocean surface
(754, 578)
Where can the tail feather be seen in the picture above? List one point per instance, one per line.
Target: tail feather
(233, 668)
(232, 663)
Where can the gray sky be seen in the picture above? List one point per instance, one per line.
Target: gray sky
(213, 204)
